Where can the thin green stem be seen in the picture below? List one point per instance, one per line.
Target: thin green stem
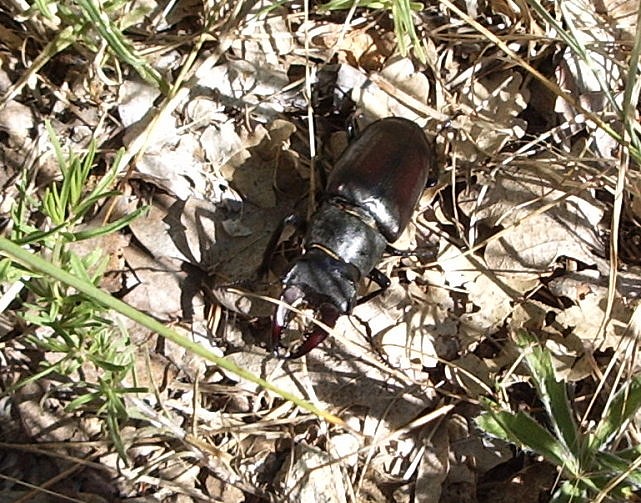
(24, 257)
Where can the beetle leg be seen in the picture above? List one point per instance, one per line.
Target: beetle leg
(429, 254)
(381, 280)
(292, 220)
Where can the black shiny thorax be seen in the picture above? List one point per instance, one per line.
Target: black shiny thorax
(358, 242)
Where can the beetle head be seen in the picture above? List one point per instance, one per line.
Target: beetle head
(322, 284)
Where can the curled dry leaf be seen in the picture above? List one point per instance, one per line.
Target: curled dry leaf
(42, 417)
(517, 11)
(223, 491)
(235, 301)
(359, 49)
(247, 83)
(402, 73)
(265, 38)
(471, 373)
(178, 230)
(178, 168)
(159, 285)
(220, 142)
(575, 326)
(585, 318)
(16, 120)
(344, 381)
(172, 160)
(398, 90)
(203, 110)
(409, 345)
(345, 446)
(135, 100)
(569, 357)
(412, 328)
(252, 171)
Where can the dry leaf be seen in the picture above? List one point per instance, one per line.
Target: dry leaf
(434, 465)
(470, 373)
(490, 302)
(389, 93)
(159, 287)
(585, 319)
(312, 475)
(174, 229)
(493, 103)
(135, 100)
(16, 120)
(536, 239)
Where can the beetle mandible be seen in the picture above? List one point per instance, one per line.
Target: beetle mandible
(370, 196)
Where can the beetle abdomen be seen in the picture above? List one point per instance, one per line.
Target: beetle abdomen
(384, 173)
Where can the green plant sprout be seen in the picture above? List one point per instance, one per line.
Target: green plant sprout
(74, 329)
(67, 315)
(401, 12)
(591, 464)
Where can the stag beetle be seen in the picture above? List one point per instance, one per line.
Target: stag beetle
(369, 199)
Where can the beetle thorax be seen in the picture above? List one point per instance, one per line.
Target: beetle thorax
(358, 243)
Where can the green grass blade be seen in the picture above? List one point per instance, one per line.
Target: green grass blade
(570, 491)
(62, 40)
(616, 465)
(404, 26)
(38, 236)
(631, 93)
(621, 409)
(108, 228)
(119, 44)
(522, 430)
(551, 392)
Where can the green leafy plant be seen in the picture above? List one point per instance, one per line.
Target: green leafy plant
(592, 464)
(66, 314)
(74, 330)
(92, 27)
